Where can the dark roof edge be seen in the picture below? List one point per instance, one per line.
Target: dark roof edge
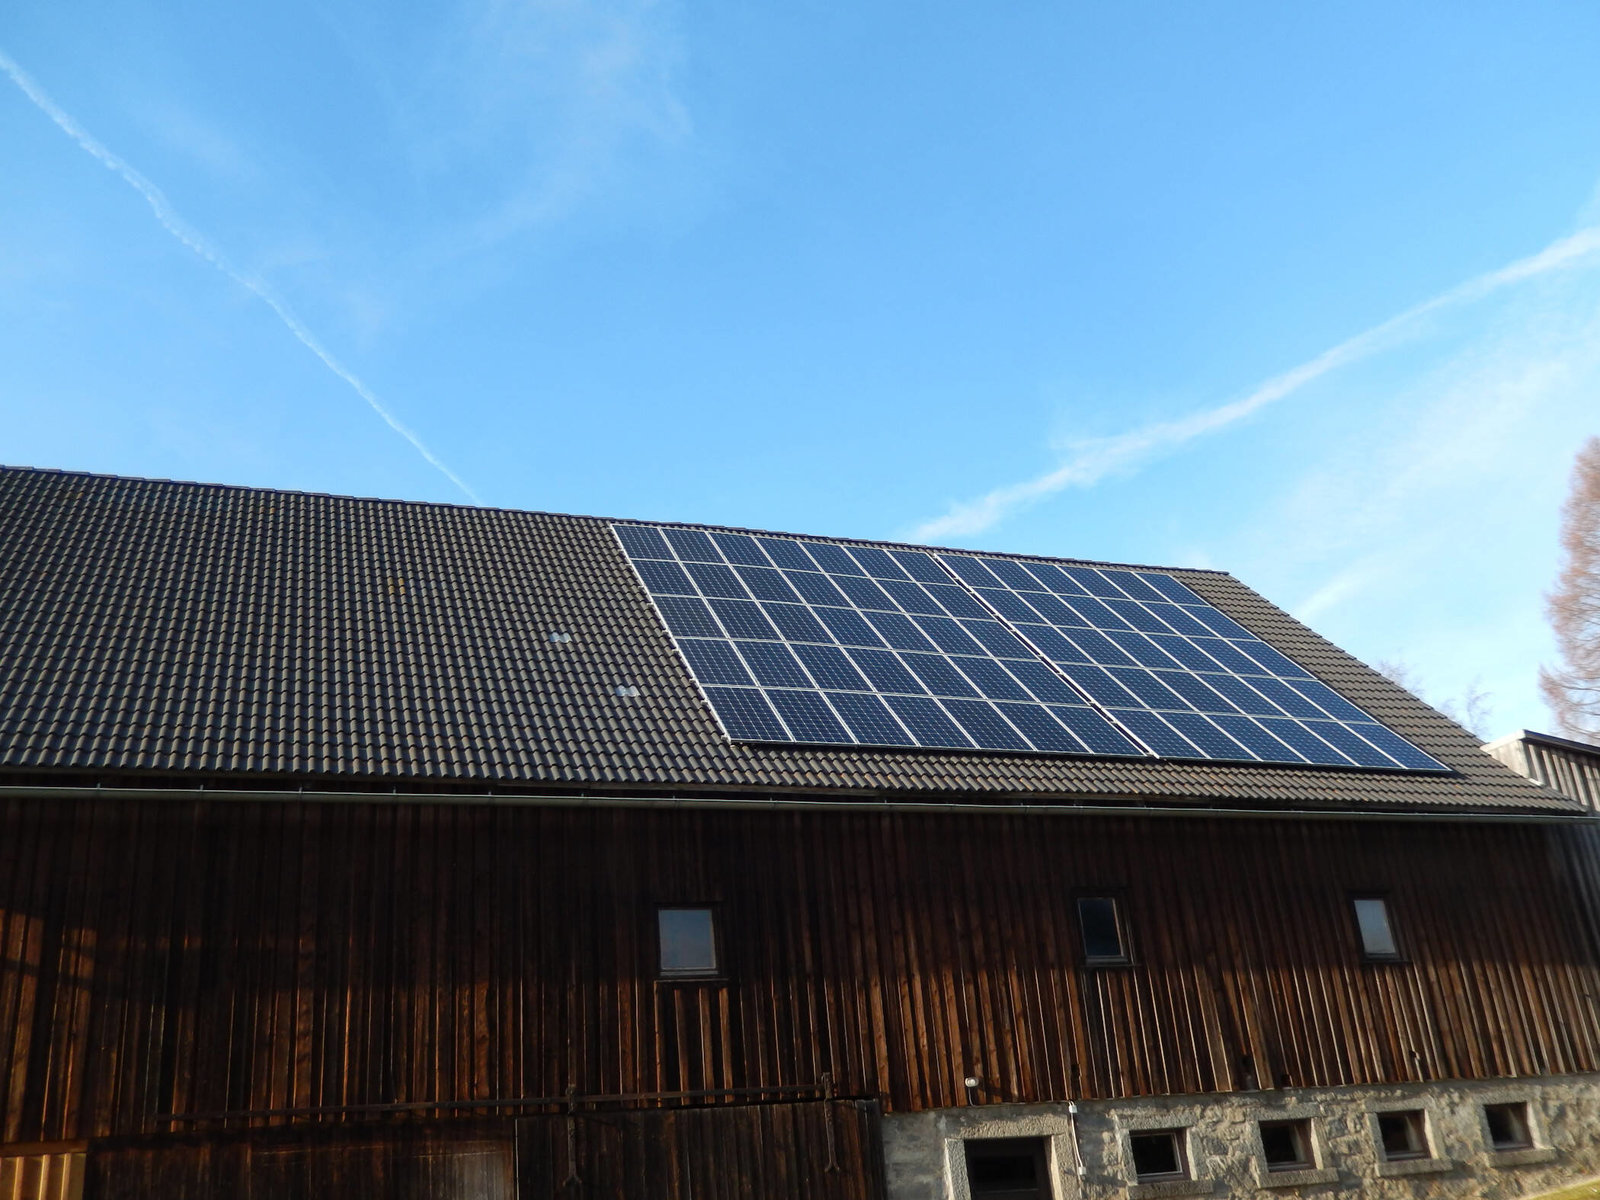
(1545, 739)
(1082, 807)
(851, 541)
(534, 512)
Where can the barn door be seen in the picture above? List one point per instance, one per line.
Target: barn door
(398, 1163)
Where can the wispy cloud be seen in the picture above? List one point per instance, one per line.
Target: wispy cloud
(1349, 582)
(1092, 460)
(565, 90)
(1424, 527)
(514, 116)
(185, 233)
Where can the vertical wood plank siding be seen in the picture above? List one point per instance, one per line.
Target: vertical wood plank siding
(771, 1151)
(1570, 770)
(459, 1161)
(774, 1151)
(47, 1175)
(167, 958)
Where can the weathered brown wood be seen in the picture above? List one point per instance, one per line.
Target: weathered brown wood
(163, 958)
(455, 1161)
(722, 1152)
(42, 1172)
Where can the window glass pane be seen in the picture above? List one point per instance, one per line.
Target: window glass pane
(1286, 1145)
(1157, 1155)
(688, 941)
(1008, 1168)
(1508, 1126)
(1102, 931)
(1402, 1135)
(1377, 940)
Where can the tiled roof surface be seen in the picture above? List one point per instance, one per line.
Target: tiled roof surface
(156, 627)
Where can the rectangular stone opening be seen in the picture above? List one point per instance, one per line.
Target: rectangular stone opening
(1159, 1154)
(1508, 1126)
(1008, 1169)
(1286, 1145)
(1403, 1135)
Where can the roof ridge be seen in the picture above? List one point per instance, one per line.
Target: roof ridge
(536, 512)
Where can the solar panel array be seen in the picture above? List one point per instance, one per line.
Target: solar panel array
(816, 642)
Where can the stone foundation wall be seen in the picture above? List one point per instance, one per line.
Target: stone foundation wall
(1089, 1153)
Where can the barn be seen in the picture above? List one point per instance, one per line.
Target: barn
(366, 847)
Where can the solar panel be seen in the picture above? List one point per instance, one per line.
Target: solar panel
(1184, 678)
(795, 640)
(816, 642)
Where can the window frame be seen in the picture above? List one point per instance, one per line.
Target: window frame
(719, 969)
(1383, 897)
(1061, 1146)
(1037, 1145)
(1415, 1118)
(1119, 910)
(1179, 1136)
(1524, 1118)
(1303, 1135)
(1318, 1172)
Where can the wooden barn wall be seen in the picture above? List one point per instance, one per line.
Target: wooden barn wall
(37, 1173)
(1574, 773)
(165, 958)
(817, 1151)
(773, 1151)
(461, 1161)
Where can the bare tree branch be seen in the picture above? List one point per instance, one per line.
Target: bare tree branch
(1573, 606)
(1473, 710)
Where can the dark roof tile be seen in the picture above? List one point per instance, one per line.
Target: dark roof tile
(161, 627)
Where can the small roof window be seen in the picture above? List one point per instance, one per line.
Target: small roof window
(1372, 921)
(688, 942)
(1101, 926)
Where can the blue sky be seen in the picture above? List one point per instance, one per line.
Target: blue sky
(1307, 293)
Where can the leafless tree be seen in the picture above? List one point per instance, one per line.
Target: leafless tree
(1473, 710)
(1573, 690)
(1477, 709)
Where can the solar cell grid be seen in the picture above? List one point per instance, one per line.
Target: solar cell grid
(746, 715)
(740, 548)
(956, 600)
(795, 640)
(766, 583)
(1253, 737)
(831, 668)
(825, 643)
(809, 717)
(928, 723)
(1053, 579)
(715, 662)
(870, 720)
(1167, 653)
(899, 632)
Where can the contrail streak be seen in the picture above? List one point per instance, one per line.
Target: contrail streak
(190, 237)
(1092, 460)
